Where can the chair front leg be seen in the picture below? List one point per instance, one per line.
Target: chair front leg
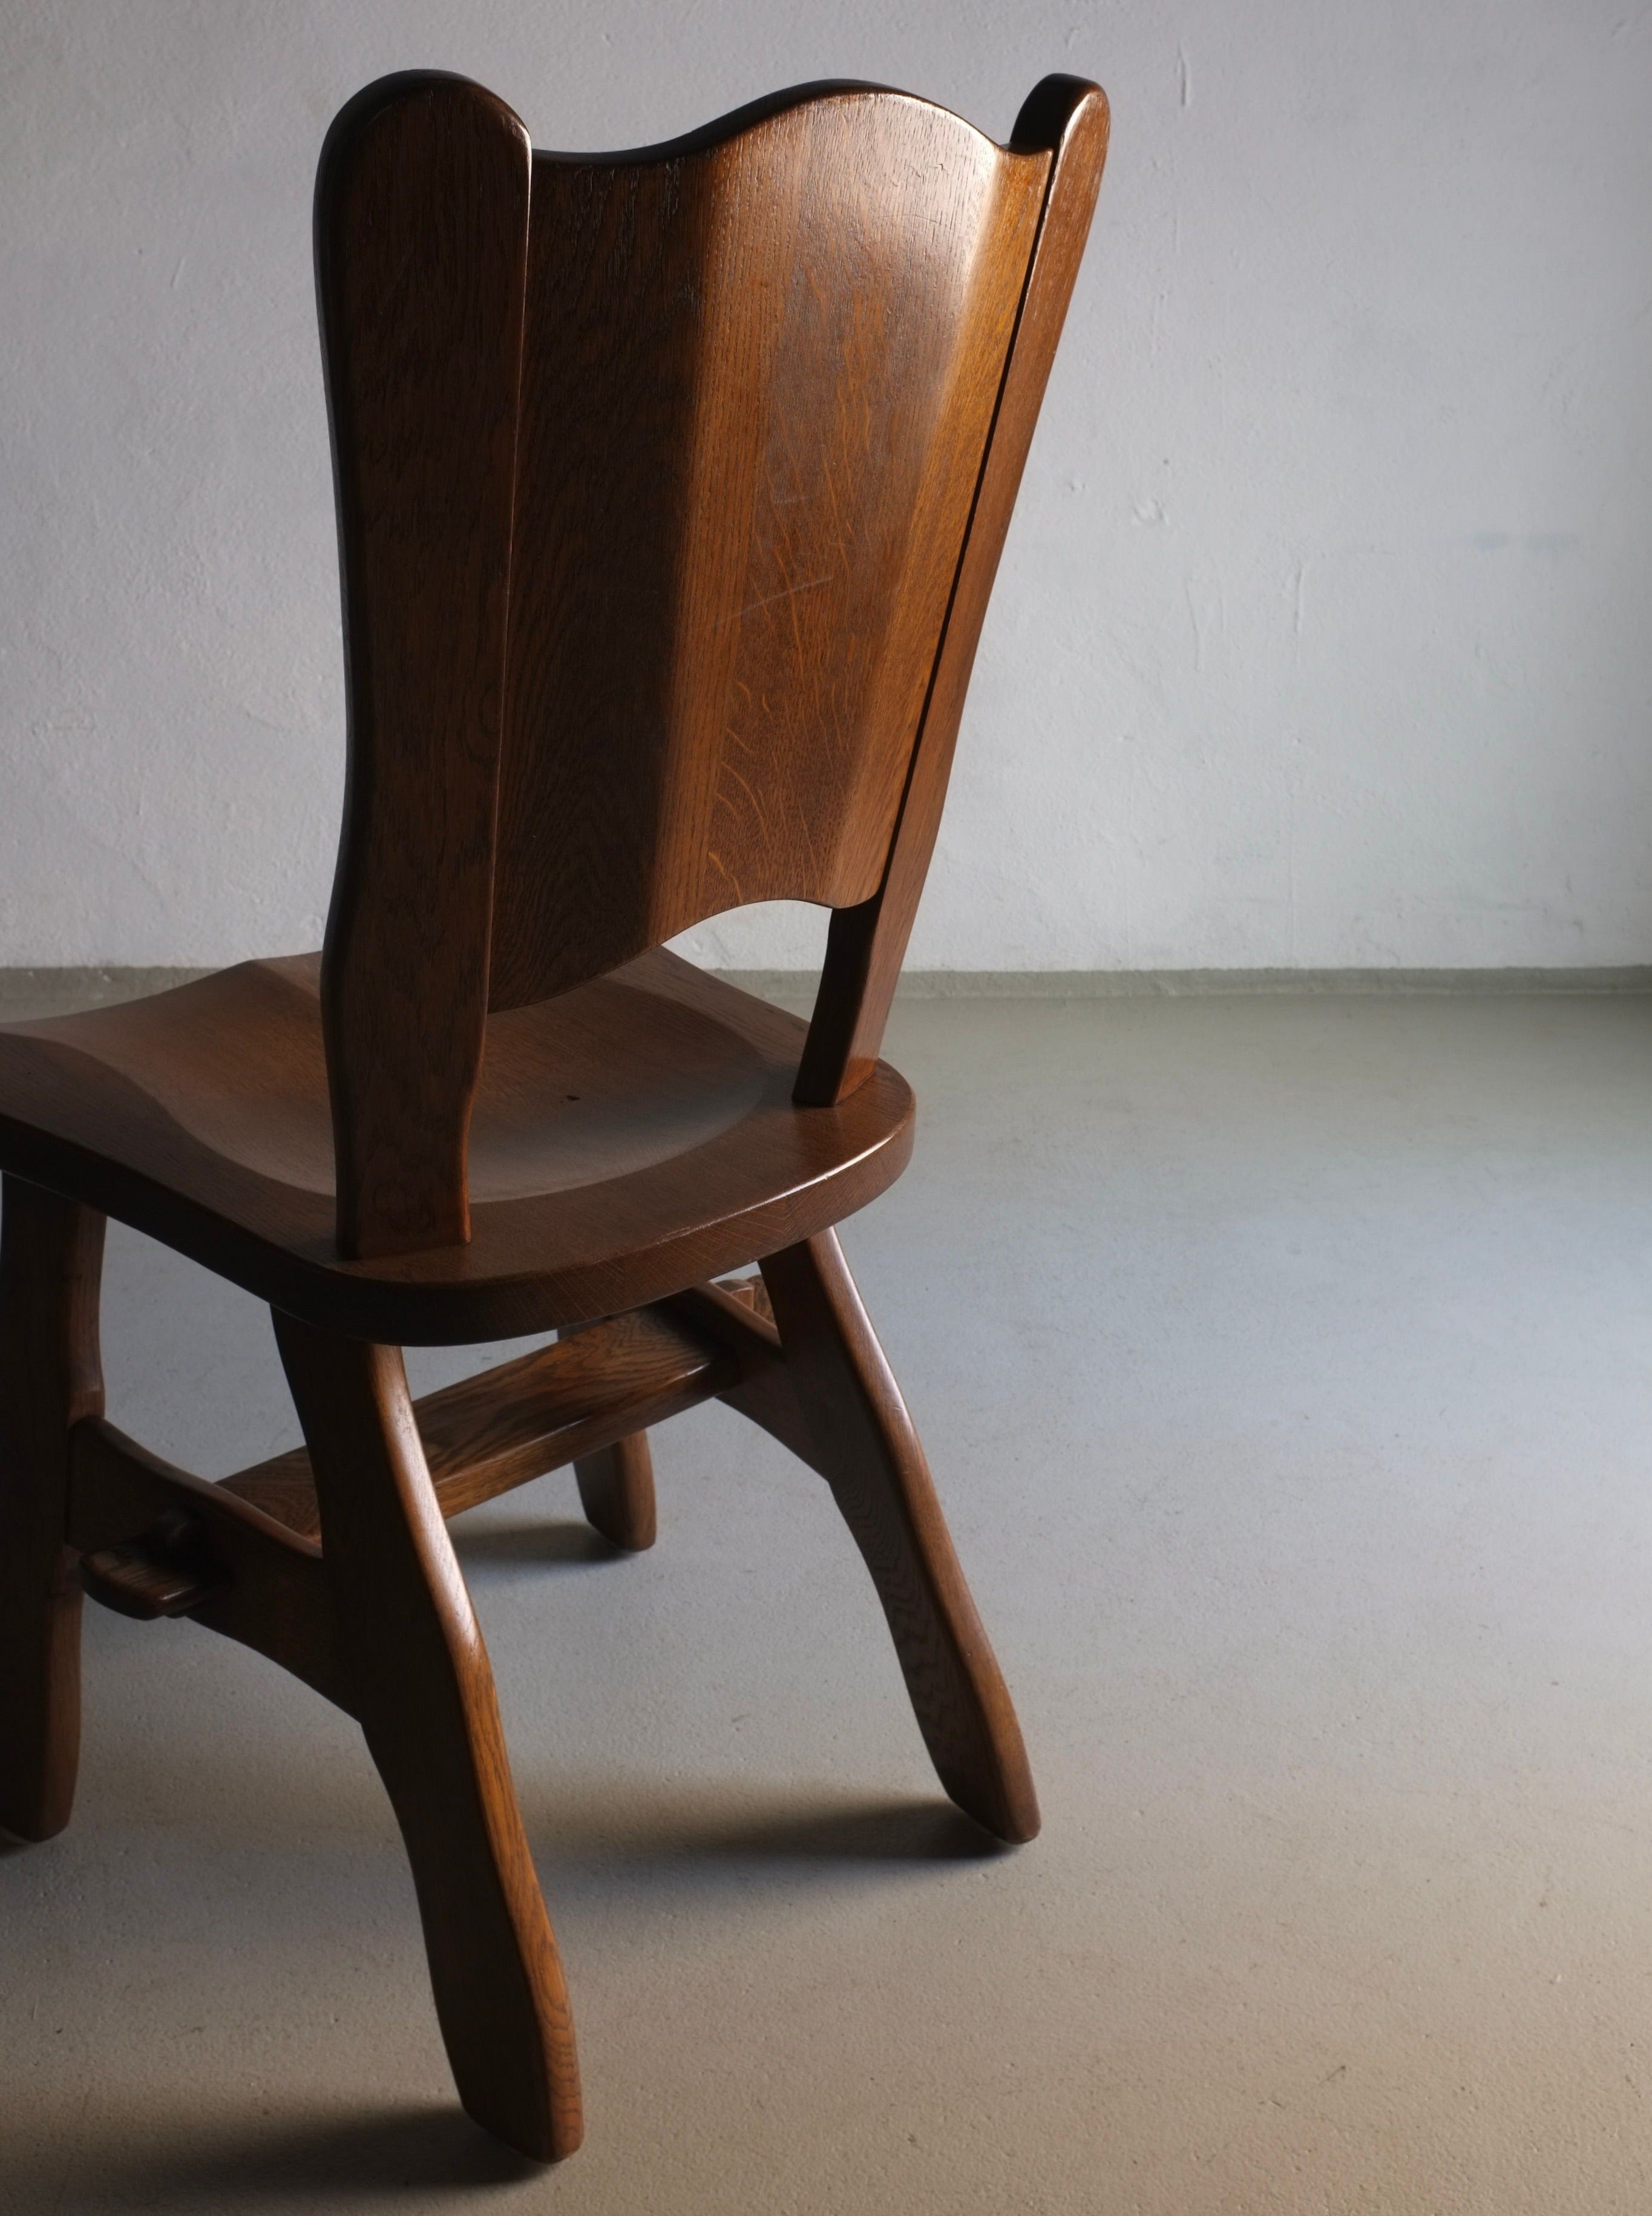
(51, 1265)
(424, 1694)
(871, 1459)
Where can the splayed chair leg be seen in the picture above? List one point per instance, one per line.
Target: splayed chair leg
(51, 1263)
(616, 1491)
(423, 1690)
(881, 1482)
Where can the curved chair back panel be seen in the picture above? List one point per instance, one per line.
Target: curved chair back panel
(759, 376)
(671, 486)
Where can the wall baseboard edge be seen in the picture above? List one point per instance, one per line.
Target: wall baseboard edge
(1177, 984)
(37, 991)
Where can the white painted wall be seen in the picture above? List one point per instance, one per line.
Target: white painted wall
(1323, 636)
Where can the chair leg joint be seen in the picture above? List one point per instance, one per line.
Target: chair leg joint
(169, 1569)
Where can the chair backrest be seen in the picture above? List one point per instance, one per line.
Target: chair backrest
(670, 486)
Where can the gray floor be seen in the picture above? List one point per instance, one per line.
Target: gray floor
(1287, 1369)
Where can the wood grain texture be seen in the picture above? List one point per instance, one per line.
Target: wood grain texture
(165, 1572)
(1064, 125)
(762, 1388)
(51, 1262)
(616, 1491)
(760, 368)
(273, 1595)
(629, 1138)
(423, 1690)
(511, 1424)
(421, 230)
(871, 1458)
(670, 486)
(798, 324)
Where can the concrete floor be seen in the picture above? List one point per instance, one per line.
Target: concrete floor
(1287, 1366)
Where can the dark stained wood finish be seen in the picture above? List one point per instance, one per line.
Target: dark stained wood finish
(871, 1459)
(51, 1260)
(671, 486)
(616, 1491)
(272, 1596)
(748, 449)
(421, 246)
(1063, 125)
(560, 1404)
(752, 1292)
(763, 1389)
(744, 521)
(170, 1570)
(423, 1689)
(200, 1116)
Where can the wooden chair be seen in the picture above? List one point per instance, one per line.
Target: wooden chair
(670, 489)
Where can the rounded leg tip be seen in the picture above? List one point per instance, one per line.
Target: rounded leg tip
(1010, 1815)
(1015, 1830)
(624, 1539)
(545, 2139)
(32, 1827)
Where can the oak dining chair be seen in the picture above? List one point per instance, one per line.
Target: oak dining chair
(670, 489)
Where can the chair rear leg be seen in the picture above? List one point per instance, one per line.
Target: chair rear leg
(616, 1491)
(424, 1694)
(881, 1482)
(51, 1265)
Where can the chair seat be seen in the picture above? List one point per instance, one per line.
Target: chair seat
(628, 1139)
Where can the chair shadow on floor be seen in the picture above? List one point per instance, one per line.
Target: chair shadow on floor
(183, 2161)
(712, 1842)
(176, 2158)
(722, 1832)
(537, 1543)
(638, 1826)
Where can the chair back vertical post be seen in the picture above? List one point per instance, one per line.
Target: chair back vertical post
(421, 205)
(1065, 119)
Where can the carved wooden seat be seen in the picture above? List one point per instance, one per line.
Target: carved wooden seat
(671, 486)
(632, 1134)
